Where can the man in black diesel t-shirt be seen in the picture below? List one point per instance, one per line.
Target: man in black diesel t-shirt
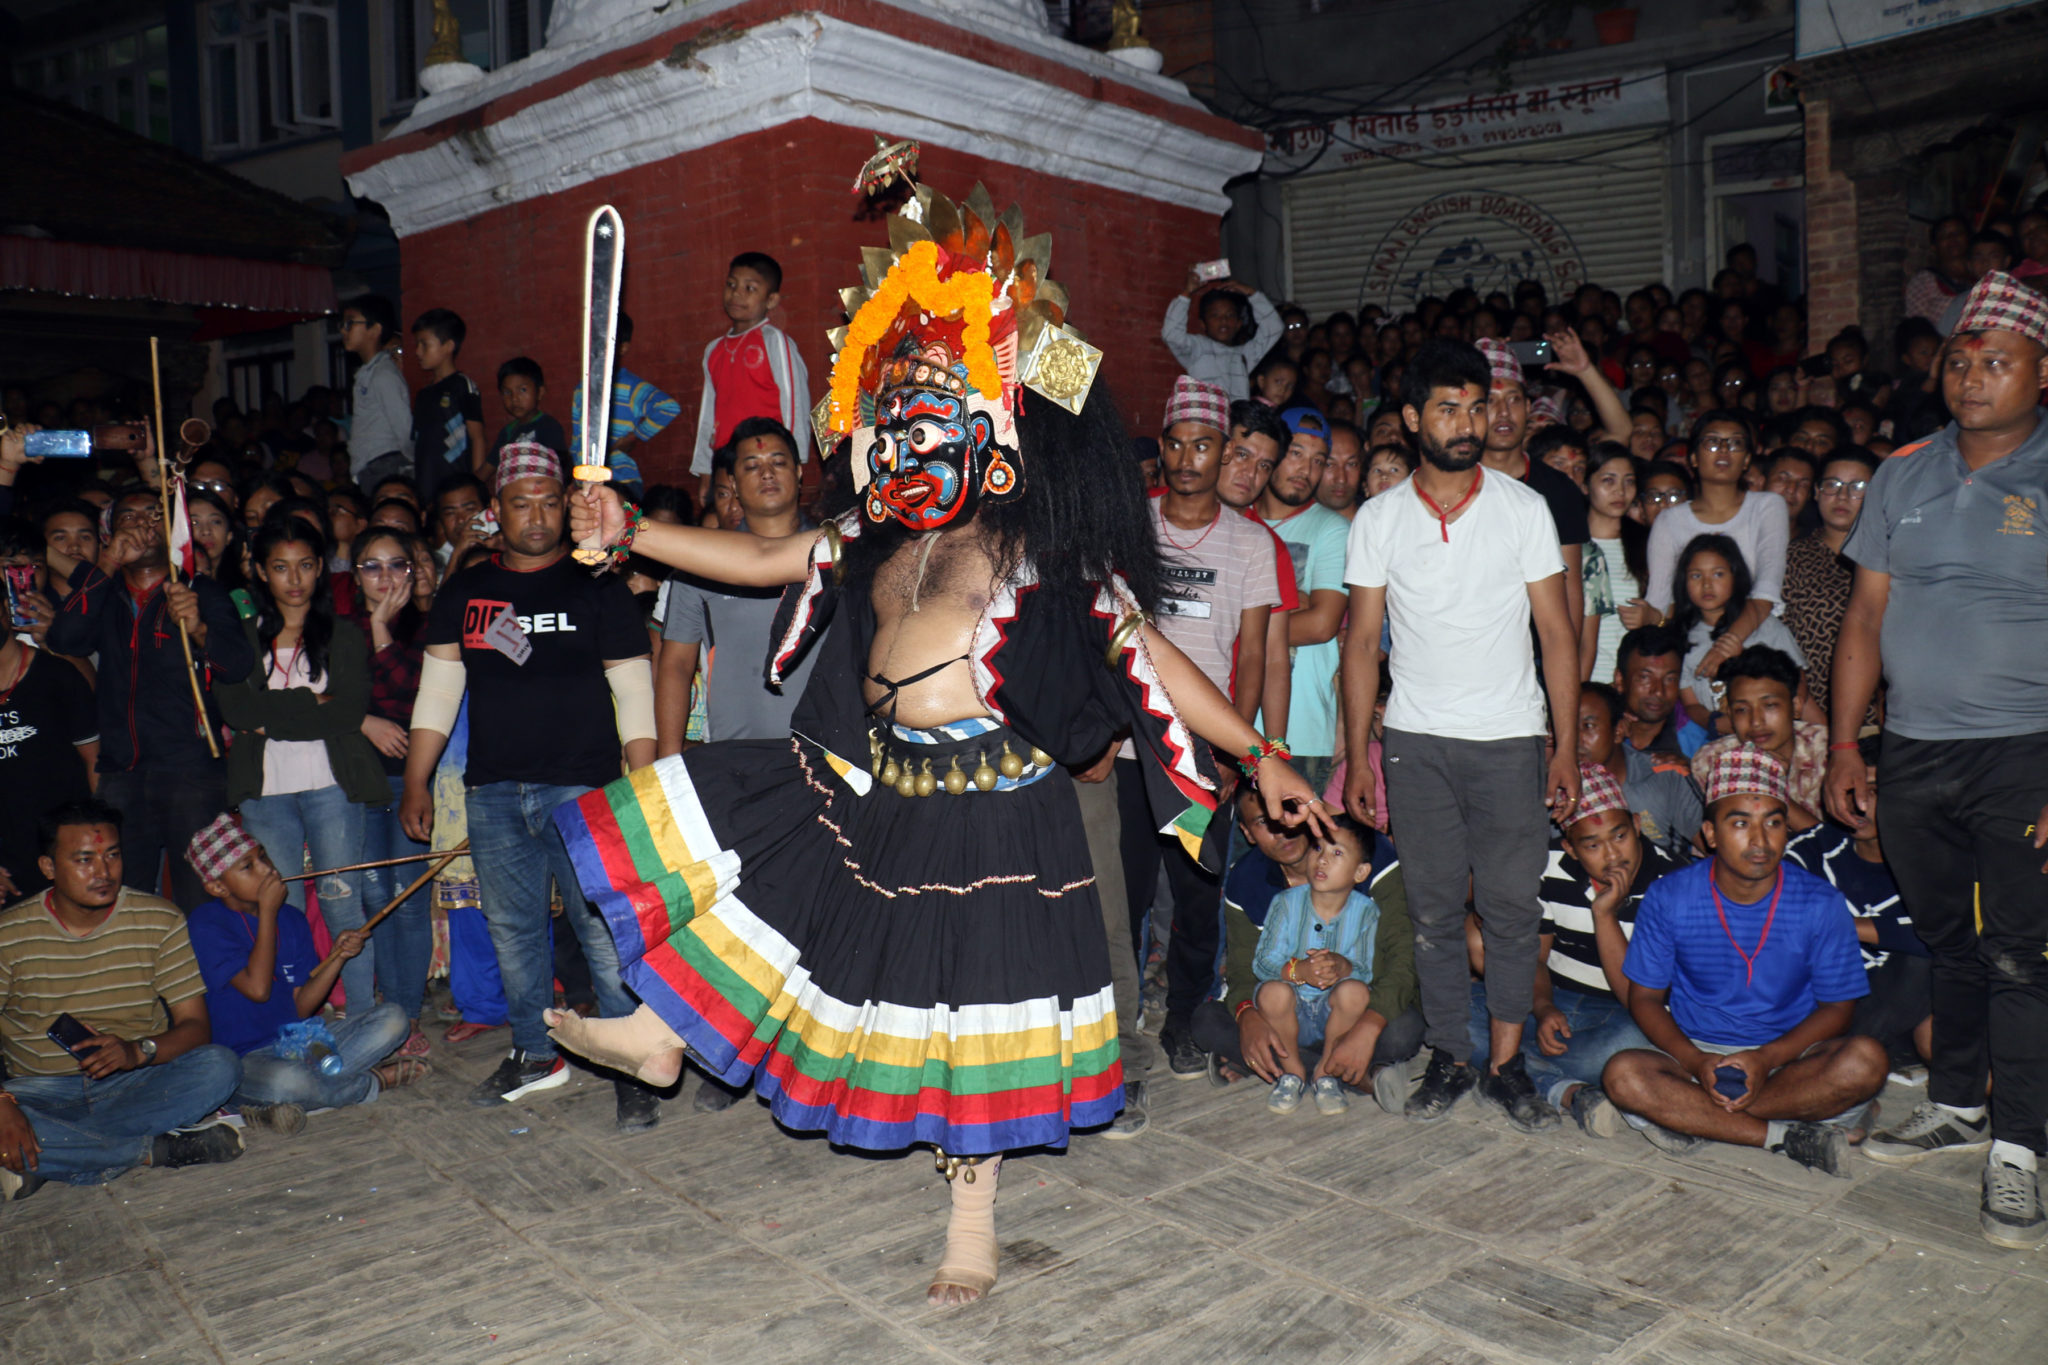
(547, 655)
(49, 739)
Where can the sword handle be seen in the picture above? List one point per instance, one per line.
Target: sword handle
(590, 552)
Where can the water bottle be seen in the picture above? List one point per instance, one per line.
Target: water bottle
(324, 1059)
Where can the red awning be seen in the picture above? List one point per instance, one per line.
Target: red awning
(112, 272)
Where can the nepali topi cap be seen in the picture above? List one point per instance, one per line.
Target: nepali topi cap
(1598, 793)
(1501, 360)
(1194, 401)
(218, 847)
(1745, 770)
(527, 460)
(2000, 303)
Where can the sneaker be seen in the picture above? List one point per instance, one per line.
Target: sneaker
(286, 1120)
(1286, 1094)
(1927, 1130)
(519, 1076)
(1672, 1142)
(714, 1097)
(1909, 1072)
(1818, 1147)
(1511, 1090)
(1134, 1120)
(1330, 1097)
(639, 1108)
(1444, 1082)
(2011, 1213)
(206, 1146)
(1186, 1061)
(1594, 1112)
(1390, 1087)
(18, 1184)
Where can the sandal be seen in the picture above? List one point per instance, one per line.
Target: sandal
(401, 1071)
(464, 1031)
(415, 1044)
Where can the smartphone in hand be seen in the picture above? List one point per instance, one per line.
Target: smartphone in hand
(1533, 355)
(69, 1034)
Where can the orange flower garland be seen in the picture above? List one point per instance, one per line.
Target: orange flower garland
(915, 279)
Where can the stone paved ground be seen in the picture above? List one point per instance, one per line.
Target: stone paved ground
(420, 1229)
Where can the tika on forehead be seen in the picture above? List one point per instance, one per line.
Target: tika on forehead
(951, 321)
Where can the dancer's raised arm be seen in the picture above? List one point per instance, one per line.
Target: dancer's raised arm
(727, 556)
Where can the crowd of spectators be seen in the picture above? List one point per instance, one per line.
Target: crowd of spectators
(1548, 594)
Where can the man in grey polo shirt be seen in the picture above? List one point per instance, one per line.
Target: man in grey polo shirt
(724, 629)
(1950, 606)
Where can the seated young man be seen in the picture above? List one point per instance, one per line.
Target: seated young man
(1591, 893)
(1762, 700)
(110, 970)
(1658, 787)
(1899, 1011)
(1744, 974)
(256, 955)
(1279, 858)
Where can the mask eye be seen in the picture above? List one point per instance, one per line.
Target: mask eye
(926, 437)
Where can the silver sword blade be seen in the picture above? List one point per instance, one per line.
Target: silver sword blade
(604, 258)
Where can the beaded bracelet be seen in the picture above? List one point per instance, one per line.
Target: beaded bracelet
(618, 550)
(1253, 754)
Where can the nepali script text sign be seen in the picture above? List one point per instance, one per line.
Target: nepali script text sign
(1852, 23)
(1471, 123)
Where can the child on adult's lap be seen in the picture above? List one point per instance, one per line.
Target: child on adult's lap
(1314, 966)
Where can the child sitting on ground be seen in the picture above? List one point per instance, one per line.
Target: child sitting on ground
(1314, 965)
(257, 958)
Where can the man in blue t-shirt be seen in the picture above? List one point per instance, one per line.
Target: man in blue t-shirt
(1745, 974)
(262, 974)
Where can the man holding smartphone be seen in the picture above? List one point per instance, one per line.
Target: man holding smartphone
(102, 1022)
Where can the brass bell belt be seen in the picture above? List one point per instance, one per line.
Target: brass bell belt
(954, 760)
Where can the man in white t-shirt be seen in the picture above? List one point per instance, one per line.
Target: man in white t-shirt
(1460, 559)
(1221, 589)
(1314, 536)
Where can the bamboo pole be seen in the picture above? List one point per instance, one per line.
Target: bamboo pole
(164, 467)
(362, 867)
(442, 860)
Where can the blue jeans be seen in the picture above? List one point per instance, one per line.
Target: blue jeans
(405, 941)
(1601, 1026)
(516, 848)
(362, 1040)
(327, 822)
(91, 1131)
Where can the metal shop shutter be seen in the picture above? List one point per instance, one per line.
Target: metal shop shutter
(1563, 212)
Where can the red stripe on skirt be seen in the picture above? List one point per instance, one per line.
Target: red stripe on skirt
(999, 1107)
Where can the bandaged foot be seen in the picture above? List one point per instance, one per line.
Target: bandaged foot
(968, 1269)
(640, 1045)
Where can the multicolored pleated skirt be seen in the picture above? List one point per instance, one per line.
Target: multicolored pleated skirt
(887, 969)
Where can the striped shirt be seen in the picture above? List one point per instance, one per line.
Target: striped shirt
(118, 979)
(1567, 894)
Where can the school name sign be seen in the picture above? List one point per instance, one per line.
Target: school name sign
(1535, 114)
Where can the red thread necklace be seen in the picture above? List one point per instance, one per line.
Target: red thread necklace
(1444, 515)
(1748, 959)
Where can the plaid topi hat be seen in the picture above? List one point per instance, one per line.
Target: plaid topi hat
(2000, 303)
(1745, 770)
(1506, 369)
(218, 847)
(1194, 401)
(527, 460)
(1598, 793)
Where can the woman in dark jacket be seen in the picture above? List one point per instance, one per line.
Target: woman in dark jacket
(300, 767)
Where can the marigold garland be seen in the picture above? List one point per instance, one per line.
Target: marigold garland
(915, 279)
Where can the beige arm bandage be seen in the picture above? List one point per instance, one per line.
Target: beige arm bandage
(632, 685)
(440, 700)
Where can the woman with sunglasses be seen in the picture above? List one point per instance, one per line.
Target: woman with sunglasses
(389, 613)
(1817, 578)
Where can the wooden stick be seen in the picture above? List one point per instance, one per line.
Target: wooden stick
(164, 477)
(373, 921)
(362, 867)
